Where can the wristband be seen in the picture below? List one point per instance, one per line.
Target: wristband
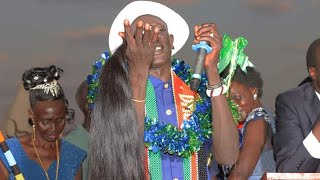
(217, 91)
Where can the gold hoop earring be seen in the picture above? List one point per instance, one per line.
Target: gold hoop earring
(255, 96)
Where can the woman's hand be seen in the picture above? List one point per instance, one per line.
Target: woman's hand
(208, 32)
(141, 46)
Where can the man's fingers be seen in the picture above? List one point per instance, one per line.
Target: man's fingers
(122, 35)
(138, 35)
(210, 29)
(147, 35)
(154, 37)
(196, 28)
(127, 32)
(214, 42)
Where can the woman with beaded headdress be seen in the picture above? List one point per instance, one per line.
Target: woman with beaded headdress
(43, 155)
(147, 122)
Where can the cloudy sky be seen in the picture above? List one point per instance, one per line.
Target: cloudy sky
(72, 34)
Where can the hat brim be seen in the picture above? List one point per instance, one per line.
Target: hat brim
(177, 26)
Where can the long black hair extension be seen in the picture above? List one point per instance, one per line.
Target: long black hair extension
(116, 145)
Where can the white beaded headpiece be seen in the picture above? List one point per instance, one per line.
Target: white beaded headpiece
(51, 87)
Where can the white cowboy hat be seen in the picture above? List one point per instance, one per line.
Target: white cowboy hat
(177, 26)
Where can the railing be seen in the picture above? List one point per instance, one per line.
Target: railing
(293, 176)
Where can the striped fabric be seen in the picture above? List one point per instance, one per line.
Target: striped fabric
(10, 159)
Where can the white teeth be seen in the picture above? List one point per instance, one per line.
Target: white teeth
(158, 48)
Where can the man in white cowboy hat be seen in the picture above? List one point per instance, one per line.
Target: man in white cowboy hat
(155, 34)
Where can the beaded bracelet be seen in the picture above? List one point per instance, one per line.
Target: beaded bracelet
(219, 84)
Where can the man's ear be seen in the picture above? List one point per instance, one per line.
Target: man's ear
(171, 41)
(312, 73)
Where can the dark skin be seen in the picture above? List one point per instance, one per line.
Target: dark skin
(49, 118)
(4, 172)
(87, 119)
(314, 73)
(150, 54)
(82, 102)
(255, 135)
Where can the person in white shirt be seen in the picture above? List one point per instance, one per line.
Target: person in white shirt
(296, 142)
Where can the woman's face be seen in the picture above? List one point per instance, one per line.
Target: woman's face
(49, 118)
(243, 96)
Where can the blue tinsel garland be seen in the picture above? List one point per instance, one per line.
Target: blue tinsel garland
(194, 132)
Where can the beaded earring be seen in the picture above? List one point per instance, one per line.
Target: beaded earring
(33, 132)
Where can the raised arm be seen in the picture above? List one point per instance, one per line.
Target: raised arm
(226, 138)
(140, 52)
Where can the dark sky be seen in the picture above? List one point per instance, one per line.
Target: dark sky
(72, 34)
